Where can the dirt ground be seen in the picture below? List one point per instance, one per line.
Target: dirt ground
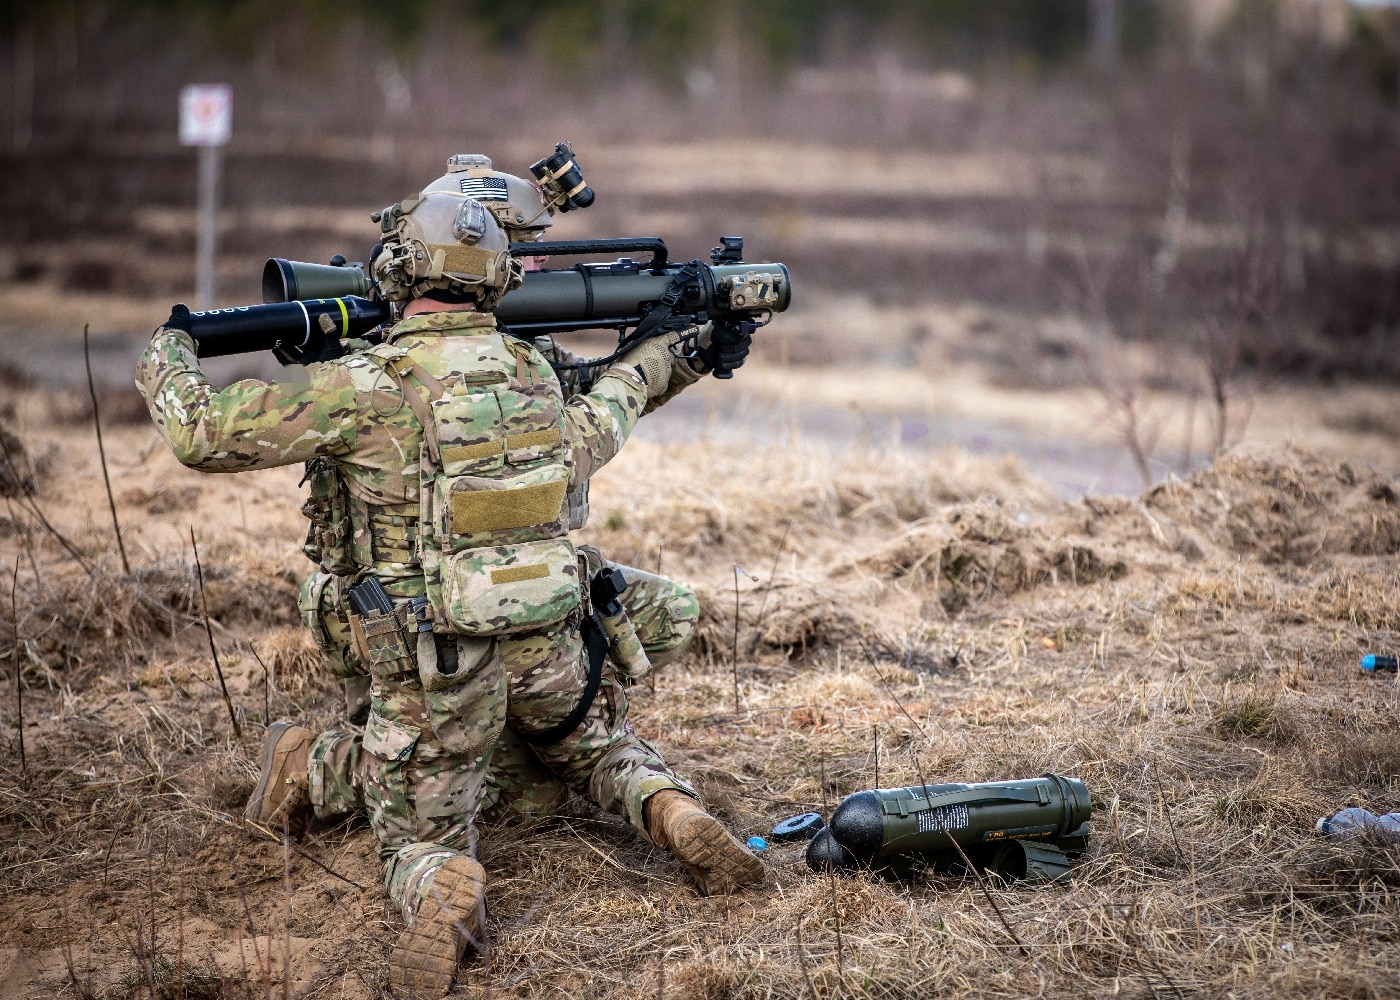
(1190, 653)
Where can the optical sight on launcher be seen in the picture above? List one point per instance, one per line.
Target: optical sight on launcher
(310, 308)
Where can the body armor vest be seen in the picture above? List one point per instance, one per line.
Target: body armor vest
(493, 477)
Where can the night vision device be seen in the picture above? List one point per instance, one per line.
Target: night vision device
(561, 179)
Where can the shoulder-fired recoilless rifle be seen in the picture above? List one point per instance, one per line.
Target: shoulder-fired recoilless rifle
(309, 309)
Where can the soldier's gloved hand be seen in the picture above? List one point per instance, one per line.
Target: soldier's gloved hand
(653, 360)
(179, 318)
(729, 345)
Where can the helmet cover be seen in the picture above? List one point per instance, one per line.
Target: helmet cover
(516, 202)
(447, 241)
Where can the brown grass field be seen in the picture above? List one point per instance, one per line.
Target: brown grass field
(1050, 264)
(1191, 654)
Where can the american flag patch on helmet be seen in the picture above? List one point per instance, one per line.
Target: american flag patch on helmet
(485, 188)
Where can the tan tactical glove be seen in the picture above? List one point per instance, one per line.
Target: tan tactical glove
(653, 360)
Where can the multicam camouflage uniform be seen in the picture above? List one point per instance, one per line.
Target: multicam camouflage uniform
(517, 787)
(425, 753)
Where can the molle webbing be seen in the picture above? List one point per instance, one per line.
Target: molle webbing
(393, 532)
(495, 510)
(578, 506)
(471, 452)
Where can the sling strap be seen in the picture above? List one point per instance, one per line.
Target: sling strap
(402, 367)
(596, 642)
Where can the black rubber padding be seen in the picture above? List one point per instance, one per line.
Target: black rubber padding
(799, 827)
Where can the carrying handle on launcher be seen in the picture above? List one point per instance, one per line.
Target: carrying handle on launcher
(653, 245)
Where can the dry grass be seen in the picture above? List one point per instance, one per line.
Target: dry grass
(1190, 654)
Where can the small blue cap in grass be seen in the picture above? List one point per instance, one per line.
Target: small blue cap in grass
(758, 843)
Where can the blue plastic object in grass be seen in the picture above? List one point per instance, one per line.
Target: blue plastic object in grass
(1356, 822)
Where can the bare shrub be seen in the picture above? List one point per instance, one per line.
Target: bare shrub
(17, 474)
(291, 655)
(1261, 715)
(1119, 371)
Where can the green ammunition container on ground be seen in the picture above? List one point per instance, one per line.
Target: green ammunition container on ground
(1015, 828)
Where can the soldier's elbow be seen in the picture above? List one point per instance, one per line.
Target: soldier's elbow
(192, 458)
(194, 452)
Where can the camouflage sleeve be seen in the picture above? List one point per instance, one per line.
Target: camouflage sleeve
(251, 424)
(683, 375)
(597, 423)
(556, 355)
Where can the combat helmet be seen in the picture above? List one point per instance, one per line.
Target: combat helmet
(517, 203)
(444, 241)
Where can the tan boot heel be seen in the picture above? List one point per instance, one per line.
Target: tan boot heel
(424, 962)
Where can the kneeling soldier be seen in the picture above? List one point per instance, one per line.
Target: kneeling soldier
(457, 451)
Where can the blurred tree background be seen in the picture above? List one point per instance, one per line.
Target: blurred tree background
(1218, 171)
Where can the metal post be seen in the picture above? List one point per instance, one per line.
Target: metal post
(205, 116)
(1106, 34)
(208, 231)
(22, 96)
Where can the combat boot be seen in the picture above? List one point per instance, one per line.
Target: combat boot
(714, 858)
(283, 793)
(425, 958)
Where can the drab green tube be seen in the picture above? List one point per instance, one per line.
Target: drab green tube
(886, 822)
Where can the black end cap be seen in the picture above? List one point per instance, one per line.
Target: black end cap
(797, 827)
(825, 855)
(858, 824)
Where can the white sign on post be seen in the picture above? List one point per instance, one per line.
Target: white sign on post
(206, 113)
(206, 117)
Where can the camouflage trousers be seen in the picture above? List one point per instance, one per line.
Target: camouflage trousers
(421, 764)
(442, 746)
(663, 611)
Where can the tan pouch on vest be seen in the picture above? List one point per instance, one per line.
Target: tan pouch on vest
(383, 643)
(515, 588)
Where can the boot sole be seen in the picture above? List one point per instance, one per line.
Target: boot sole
(426, 956)
(252, 813)
(718, 861)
